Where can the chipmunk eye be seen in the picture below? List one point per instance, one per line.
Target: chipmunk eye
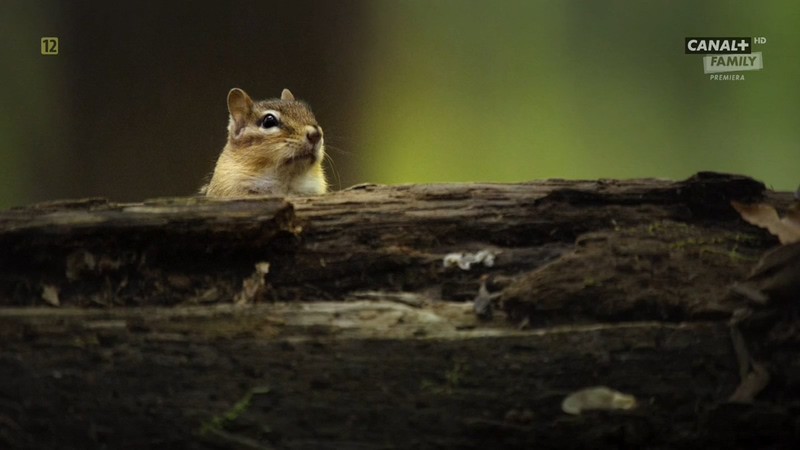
(269, 121)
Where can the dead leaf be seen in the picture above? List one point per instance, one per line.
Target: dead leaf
(787, 229)
(792, 216)
(50, 295)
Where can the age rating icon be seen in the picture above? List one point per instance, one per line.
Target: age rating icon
(49, 45)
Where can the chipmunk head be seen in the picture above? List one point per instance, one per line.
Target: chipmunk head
(280, 133)
(274, 147)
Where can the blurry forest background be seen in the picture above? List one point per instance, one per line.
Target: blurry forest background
(133, 107)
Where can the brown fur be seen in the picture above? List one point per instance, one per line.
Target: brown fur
(282, 160)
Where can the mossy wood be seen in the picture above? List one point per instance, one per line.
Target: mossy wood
(332, 322)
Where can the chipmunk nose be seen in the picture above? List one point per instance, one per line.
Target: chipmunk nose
(313, 134)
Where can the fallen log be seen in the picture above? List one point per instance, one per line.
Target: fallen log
(352, 320)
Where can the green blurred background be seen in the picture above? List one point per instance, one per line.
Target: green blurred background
(407, 91)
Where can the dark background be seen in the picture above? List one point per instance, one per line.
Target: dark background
(134, 104)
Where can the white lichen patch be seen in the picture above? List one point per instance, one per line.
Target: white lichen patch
(597, 398)
(465, 260)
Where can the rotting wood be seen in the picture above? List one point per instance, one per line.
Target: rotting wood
(178, 251)
(355, 334)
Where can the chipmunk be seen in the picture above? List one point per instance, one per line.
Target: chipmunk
(274, 147)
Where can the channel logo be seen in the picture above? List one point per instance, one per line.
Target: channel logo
(719, 46)
(723, 55)
(733, 63)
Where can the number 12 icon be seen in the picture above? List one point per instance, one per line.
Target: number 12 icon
(49, 45)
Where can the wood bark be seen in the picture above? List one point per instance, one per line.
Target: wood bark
(338, 322)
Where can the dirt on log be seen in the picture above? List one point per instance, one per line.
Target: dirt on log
(414, 316)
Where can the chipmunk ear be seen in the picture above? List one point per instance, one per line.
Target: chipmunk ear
(240, 105)
(287, 95)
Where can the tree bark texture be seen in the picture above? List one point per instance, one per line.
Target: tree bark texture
(358, 319)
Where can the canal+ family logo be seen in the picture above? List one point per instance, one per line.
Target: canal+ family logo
(725, 57)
